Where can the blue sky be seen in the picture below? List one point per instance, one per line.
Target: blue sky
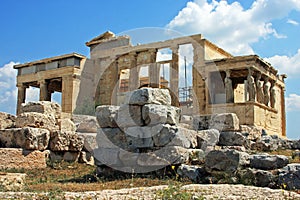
(32, 30)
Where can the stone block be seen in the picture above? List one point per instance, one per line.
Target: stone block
(149, 96)
(129, 115)
(108, 156)
(26, 138)
(43, 107)
(289, 177)
(207, 138)
(160, 114)
(65, 141)
(233, 139)
(90, 142)
(164, 134)
(37, 120)
(252, 132)
(86, 123)
(66, 125)
(139, 137)
(12, 181)
(189, 171)
(225, 122)
(226, 161)
(268, 162)
(256, 177)
(106, 116)
(14, 158)
(111, 138)
(201, 122)
(7, 120)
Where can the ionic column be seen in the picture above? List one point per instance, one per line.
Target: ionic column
(134, 82)
(21, 96)
(174, 70)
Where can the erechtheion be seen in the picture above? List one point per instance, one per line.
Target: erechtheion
(220, 82)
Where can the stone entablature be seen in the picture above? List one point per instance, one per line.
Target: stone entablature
(56, 74)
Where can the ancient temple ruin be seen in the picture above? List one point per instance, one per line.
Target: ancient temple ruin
(220, 82)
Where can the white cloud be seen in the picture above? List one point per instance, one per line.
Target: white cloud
(8, 90)
(293, 102)
(293, 22)
(285, 64)
(230, 25)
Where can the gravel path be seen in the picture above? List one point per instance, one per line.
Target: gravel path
(234, 192)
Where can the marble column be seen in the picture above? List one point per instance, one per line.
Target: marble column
(266, 91)
(21, 96)
(229, 88)
(251, 85)
(272, 94)
(134, 82)
(44, 93)
(174, 70)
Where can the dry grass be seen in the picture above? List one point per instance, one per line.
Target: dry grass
(80, 177)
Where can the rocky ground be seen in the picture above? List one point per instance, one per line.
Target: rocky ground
(194, 191)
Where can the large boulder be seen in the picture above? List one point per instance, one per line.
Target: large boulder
(65, 141)
(90, 142)
(86, 123)
(268, 162)
(226, 161)
(140, 136)
(129, 115)
(207, 138)
(37, 120)
(111, 138)
(43, 107)
(160, 114)
(225, 122)
(233, 139)
(257, 177)
(14, 158)
(7, 120)
(289, 177)
(106, 116)
(189, 171)
(66, 125)
(149, 96)
(26, 138)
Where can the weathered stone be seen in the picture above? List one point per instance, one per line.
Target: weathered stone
(106, 116)
(86, 123)
(128, 158)
(257, 177)
(188, 171)
(226, 160)
(295, 144)
(268, 162)
(140, 137)
(90, 142)
(26, 138)
(108, 156)
(266, 143)
(12, 181)
(43, 107)
(66, 125)
(37, 120)
(160, 114)
(289, 177)
(7, 120)
(225, 122)
(129, 115)
(149, 96)
(65, 141)
(111, 138)
(251, 132)
(207, 138)
(165, 156)
(13, 158)
(233, 139)
(201, 122)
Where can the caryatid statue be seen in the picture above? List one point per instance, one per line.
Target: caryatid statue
(228, 88)
(259, 89)
(251, 85)
(272, 94)
(266, 91)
